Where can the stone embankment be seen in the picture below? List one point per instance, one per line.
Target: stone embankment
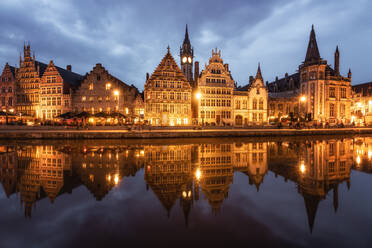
(21, 133)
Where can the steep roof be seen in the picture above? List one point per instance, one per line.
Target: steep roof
(42, 67)
(365, 88)
(168, 64)
(289, 82)
(312, 53)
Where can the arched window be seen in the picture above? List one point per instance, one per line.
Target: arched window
(261, 104)
(254, 104)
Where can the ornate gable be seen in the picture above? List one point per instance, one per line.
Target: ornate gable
(168, 70)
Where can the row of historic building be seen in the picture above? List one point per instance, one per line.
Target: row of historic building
(182, 95)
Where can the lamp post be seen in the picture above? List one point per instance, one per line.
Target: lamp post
(302, 99)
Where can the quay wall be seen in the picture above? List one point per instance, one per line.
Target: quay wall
(22, 134)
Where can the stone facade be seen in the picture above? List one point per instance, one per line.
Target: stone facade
(7, 88)
(28, 84)
(326, 94)
(215, 92)
(250, 102)
(361, 106)
(102, 92)
(168, 95)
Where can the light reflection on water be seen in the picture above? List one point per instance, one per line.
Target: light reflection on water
(182, 179)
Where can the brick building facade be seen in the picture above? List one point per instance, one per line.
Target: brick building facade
(102, 92)
(7, 87)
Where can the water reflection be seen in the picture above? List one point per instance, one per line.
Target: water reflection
(184, 173)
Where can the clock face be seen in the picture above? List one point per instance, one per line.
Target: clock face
(184, 59)
(190, 59)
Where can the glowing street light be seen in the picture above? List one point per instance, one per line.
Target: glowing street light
(198, 95)
(302, 168)
(303, 98)
(198, 174)
(116, 179)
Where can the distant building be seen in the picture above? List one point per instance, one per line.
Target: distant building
(361, 106)
(168, 95)
(7, 88)
(102, 92)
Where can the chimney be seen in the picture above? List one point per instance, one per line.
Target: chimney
(147, 76)
(196, 72)
(251, 79)
(68, 67)
(226, 67)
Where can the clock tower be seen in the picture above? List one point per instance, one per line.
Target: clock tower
(187, 56)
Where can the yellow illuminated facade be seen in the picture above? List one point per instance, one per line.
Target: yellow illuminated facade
(167, 95)
(215, 93)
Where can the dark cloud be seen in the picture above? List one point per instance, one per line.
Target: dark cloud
(130, 37)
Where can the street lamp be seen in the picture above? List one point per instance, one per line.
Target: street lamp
(302, 99)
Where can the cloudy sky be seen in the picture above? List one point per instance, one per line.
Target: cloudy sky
(130, 37)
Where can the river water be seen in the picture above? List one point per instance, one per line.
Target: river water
(290, 192)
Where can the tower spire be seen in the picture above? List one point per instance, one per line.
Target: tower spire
(186, 40)
(312, 53)
(337, 62)
(259, 74)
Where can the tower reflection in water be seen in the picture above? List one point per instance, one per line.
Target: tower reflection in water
(183, 173)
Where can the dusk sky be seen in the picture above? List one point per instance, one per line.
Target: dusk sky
(130, 38)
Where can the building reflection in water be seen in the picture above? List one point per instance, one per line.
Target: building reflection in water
(183, 172)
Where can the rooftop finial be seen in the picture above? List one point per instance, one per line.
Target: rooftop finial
(168, 48)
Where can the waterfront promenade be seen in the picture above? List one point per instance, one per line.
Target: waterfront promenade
(22, 132)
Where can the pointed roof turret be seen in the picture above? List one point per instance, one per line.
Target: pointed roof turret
(186, 40)
(312, 53)
(259, 74)
(186, 46)
(311, 204)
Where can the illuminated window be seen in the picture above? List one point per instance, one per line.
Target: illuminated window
(332, 92)
(108, 86)
(91, 86)
(254, 104)
(261, 105)
(331, 110)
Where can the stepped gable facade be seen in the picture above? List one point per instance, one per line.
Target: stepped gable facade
(102, 92)
(168, 95)
(7, 88)
(56, 86)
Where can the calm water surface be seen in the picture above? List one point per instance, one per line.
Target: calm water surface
(295, 192)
